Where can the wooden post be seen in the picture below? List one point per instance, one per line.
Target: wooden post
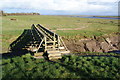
(45, 44)
(58, 41)
(54, 42)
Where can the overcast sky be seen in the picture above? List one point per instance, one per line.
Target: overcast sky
(62, 7)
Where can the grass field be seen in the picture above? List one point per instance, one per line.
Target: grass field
(68, 27)
(100, 66)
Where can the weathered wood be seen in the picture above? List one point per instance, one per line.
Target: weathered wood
(52, 58)
(54, 55)
(38, 54)
(45, 44)
(49, 41)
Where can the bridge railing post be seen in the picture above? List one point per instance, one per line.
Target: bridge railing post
(45, 44)
(58, 42)
(54, 42)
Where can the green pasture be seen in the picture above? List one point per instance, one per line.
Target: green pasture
(11, 29)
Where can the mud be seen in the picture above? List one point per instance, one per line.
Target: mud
(104, 43)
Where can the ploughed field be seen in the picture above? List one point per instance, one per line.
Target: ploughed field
(67, 27)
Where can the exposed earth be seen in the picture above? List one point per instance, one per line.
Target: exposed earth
(96, 44)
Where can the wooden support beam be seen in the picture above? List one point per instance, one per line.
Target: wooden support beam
(54, 42)
(45, 43)
(51, 41)
(58, 41)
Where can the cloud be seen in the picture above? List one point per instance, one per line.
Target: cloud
(102, 0)
(73, 6)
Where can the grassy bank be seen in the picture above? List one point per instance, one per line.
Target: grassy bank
(72, 66)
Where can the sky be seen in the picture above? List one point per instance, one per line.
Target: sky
(62, 7)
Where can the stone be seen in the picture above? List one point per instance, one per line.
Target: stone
(105, 46)
(114, 39)
(97, 49)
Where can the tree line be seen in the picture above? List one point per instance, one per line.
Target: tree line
(2, 13)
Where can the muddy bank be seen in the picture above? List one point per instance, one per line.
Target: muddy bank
(96, 44)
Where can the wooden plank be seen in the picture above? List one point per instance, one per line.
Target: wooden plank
(54, 42)
(61, 47)
(38, 54)
(39, 57)
(49, 46)
(49, 49)
(43, 32)
(54, 58)
(53, 51)
(54, 55)
(63, 52)
(51, 41)
(45, 43)
(40, 45)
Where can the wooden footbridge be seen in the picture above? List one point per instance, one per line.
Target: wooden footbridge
(47, 42)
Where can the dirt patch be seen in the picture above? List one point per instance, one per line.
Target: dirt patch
(70, 28)
(73, 28)
(96, 44)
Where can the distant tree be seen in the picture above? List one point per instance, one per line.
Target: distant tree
(1, 13)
